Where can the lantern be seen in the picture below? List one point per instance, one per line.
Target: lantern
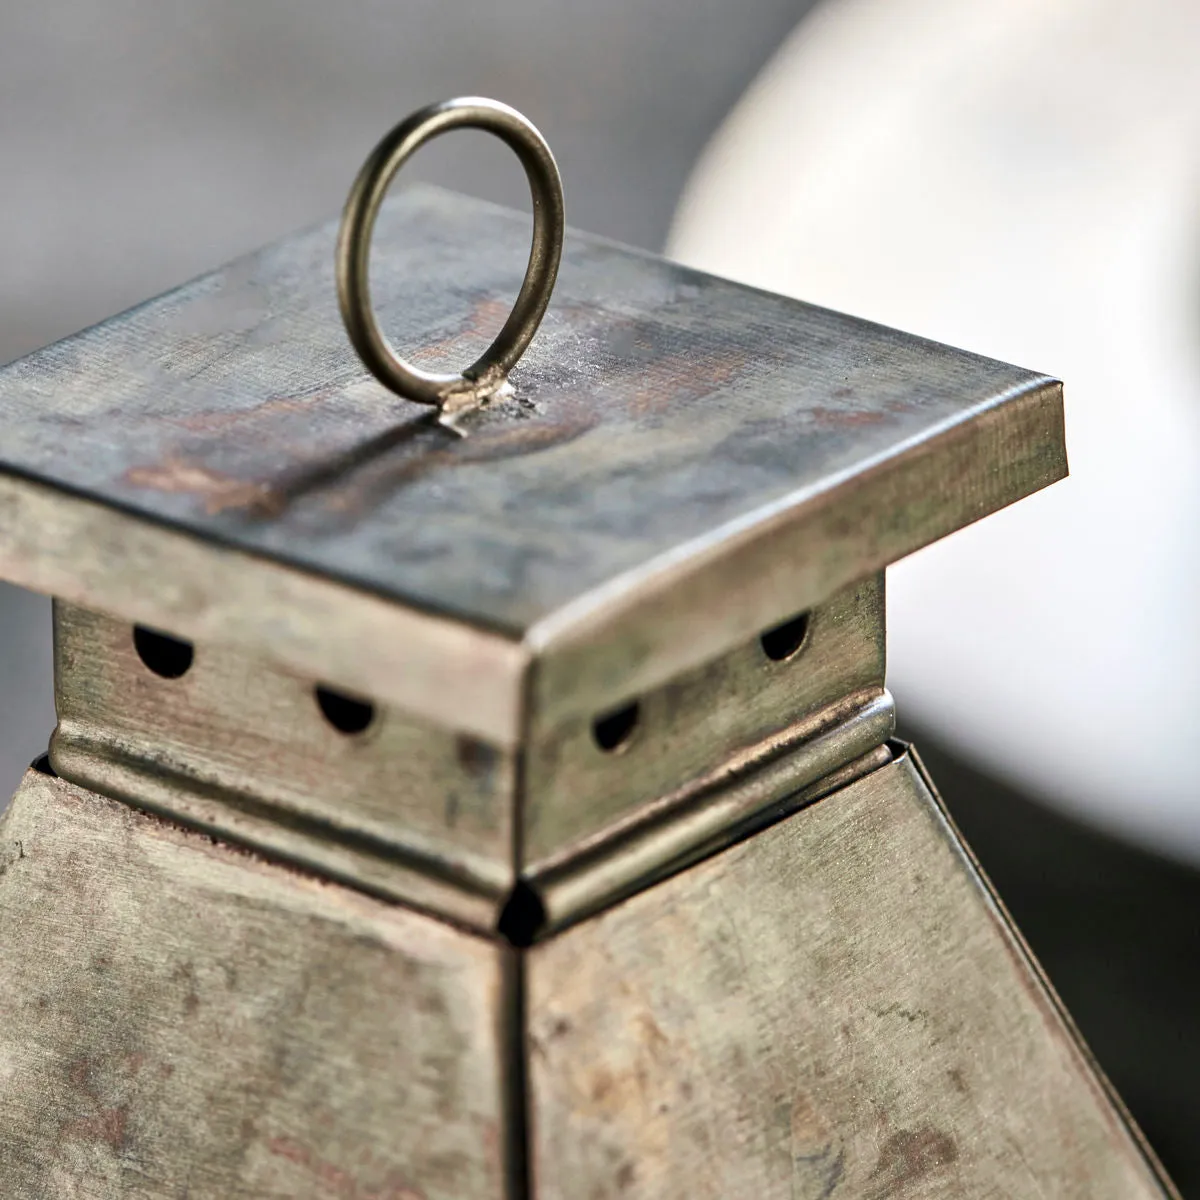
(484, 786)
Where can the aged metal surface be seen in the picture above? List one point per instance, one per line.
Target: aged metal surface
(467, 679)
(180, 1020)
(239, 747)
(688, 826)
(701, 720)
(684, 463)
(794, 984)
(835, 1007)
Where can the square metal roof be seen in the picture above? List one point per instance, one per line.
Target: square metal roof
(685, 460)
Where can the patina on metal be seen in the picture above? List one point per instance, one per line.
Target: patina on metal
(685, 463)
(515, 815)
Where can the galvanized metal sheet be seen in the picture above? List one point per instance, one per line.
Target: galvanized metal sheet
(180, 1019)
(834, 1008)
(238, 747)
(658, 412)
(706, 729)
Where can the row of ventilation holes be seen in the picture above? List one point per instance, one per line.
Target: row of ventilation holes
(172, 658)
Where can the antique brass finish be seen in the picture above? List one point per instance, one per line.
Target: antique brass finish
(486, 376)
(517, 816)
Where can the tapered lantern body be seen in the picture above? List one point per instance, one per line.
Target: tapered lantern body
(511, 809)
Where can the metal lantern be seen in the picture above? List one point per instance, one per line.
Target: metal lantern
(484, 785)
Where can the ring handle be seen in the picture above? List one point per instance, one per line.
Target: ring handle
(485, 376)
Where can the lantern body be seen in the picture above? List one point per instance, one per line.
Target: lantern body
(517, 813)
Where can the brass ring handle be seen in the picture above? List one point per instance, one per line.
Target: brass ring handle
(487, 374)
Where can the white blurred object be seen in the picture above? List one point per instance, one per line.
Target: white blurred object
(1022, 179)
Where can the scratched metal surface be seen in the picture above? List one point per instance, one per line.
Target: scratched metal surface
(182, 1020)
(655, 406)
(835, 1008)
(237, 747)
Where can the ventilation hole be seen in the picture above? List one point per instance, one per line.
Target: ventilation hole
(615, 729)
(164, 655)
(523, 916)
(42, 766)
(784, 640)
(344, 713)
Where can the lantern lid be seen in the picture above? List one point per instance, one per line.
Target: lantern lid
(684, 461)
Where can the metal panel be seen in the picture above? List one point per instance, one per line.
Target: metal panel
(836, 1007)
(239, 747)
(685, 462)
(180, 1019)
(102, 558)
(704, 722)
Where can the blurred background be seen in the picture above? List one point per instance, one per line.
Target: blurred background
(1016, 177)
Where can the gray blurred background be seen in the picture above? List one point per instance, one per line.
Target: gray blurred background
(145, 141)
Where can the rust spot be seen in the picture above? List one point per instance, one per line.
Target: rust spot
(80, 1074)
(602, 1084)
(809, 1128)
(432, 1003)
(909, 1155)
(483, 322)
(339, 1182)
(824, 417)
(491, 1140)
(680, 378)
(185, 973)
(475, 757)
(335, 1177)
(108, 1122)
(393, 1189)
(218, 491)
(108, 1126)
(651, 1033)
(283, 1147)
(560, 1028)
(217, 420)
